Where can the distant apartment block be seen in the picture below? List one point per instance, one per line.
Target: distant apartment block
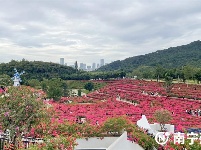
(82, 66)
(61, 61)
(93, 66)
(85, 66)
(101, 62)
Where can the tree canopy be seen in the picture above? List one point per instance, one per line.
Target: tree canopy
(36, 69)
(162, 116)
(46, 70)
(21, 109)
(55, 88)
(89, 86)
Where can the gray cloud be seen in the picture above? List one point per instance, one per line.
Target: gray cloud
(88, 30)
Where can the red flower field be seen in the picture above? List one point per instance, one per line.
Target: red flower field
(134, 98)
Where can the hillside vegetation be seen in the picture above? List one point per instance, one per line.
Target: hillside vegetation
(172, 57)
(46, 70)
(36, 69)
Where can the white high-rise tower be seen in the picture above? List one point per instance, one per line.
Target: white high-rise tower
(61, 61)
(101, 62)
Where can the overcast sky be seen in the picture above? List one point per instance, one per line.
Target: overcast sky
(88, 30)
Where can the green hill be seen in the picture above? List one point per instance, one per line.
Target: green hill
(172, 57)
(36, 69)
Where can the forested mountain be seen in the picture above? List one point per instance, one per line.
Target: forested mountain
(172, 57)
(36, 69)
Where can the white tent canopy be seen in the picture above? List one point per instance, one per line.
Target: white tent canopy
(143, 123)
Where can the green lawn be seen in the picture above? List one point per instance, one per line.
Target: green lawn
(175, 81)
(78, 84)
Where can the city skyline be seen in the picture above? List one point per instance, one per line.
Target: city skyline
(87, 31)
(83, 65)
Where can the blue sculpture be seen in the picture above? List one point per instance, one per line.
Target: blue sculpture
(17, 78)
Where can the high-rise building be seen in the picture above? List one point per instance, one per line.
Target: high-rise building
(97, 65)
(101, 62)
(61, 61)
(85, 66)
(93, 66)
(82, 66)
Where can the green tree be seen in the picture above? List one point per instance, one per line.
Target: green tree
(76, 66)
(116, 125)
(79, 92)
(21, 110)
(145, 72)
(122, 74)
(179, 74)
(65, 89)
(33, 83)
(168, 82)
(162, 116)
(54, 92)
(55, 89)
(159, 72)
(89, 86)
(5, 80)
(44, 85)
(189, 72)
(198, 76)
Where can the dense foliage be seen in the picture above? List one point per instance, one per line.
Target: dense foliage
(46, 70)
(21, 108)
(163, 117)
(5, 80)
(55, 88)
(36, 69)
(172, 57)
(182, 74)
(116, 125)
(89, 86)
(66, 133)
